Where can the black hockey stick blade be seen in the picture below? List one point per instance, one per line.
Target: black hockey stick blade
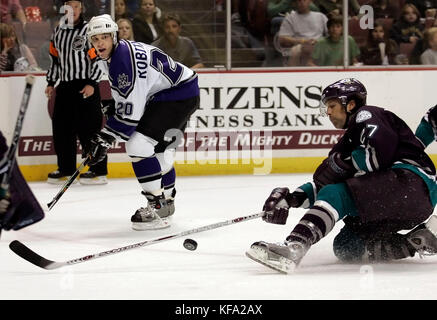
(34, 258)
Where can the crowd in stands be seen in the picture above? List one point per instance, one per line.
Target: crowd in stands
(310, 32)
(281, 32)
(26, 27)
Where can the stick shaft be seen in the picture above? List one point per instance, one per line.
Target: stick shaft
(34, 258)
(165, 238)
(10, 156)
(67, 184)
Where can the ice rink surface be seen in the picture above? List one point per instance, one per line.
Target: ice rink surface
(91, 219)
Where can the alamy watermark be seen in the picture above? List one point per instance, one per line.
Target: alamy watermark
(67, 20)
(227, 147)
(367, 20)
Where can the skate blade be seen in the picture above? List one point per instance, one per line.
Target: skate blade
(60, 181)
(93, 181)
(155, 225)
(283, 265)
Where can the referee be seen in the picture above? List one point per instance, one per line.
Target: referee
(77, 112)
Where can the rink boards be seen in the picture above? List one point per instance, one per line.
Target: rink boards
(251, 121)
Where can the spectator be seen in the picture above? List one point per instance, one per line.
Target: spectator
(328, 51)
(146, 24)
(281, 7)
(77, 111)
(335, 7)
(125, 30)
(430, 54)
(13, 55)
(277, 9)
(10, 9)
(181, 49)
(300, 29)
(383, 9)
(121, 11)
(408, 28)
(37, 10)
(421, 46)
(379, 49)
(427, 8)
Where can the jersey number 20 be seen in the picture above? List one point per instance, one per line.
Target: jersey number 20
(124, 108)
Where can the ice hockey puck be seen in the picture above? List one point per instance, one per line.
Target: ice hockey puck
(190, 244)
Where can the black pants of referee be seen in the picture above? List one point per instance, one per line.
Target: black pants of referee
(75, 117)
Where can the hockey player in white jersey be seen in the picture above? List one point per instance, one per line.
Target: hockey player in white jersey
(154, 98)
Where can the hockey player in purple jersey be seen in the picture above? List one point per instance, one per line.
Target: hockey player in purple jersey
(154, 98)
(377, 179)
(18, 206)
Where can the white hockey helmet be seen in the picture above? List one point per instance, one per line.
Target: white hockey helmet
(102, 24)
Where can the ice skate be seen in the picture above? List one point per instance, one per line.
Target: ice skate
(57, 177)
(283, 257)
(424, 237)
(90, 178)
(156, 215)
(168, 208)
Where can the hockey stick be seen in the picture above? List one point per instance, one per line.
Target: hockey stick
(67, 184)
(34, 258)
(10, 157)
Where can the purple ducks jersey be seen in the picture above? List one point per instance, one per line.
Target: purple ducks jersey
(377, 139)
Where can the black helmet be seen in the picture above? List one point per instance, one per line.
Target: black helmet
(345, 90)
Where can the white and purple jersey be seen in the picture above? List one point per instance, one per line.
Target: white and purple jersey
(140, 73)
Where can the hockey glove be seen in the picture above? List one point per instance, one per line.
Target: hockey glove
(333, 169)
(99, 146)
(108, 108)
(276, 206)
(297, 198)
(4, 204)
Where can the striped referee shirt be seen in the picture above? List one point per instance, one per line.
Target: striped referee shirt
(71, 55)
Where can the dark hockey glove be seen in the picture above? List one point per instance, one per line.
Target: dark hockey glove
(296, 199)
(108, 108)
(276, 206)
(99, 145)
(278, 203)
(333, 169)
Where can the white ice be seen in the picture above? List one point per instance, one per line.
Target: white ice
(91, 219)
